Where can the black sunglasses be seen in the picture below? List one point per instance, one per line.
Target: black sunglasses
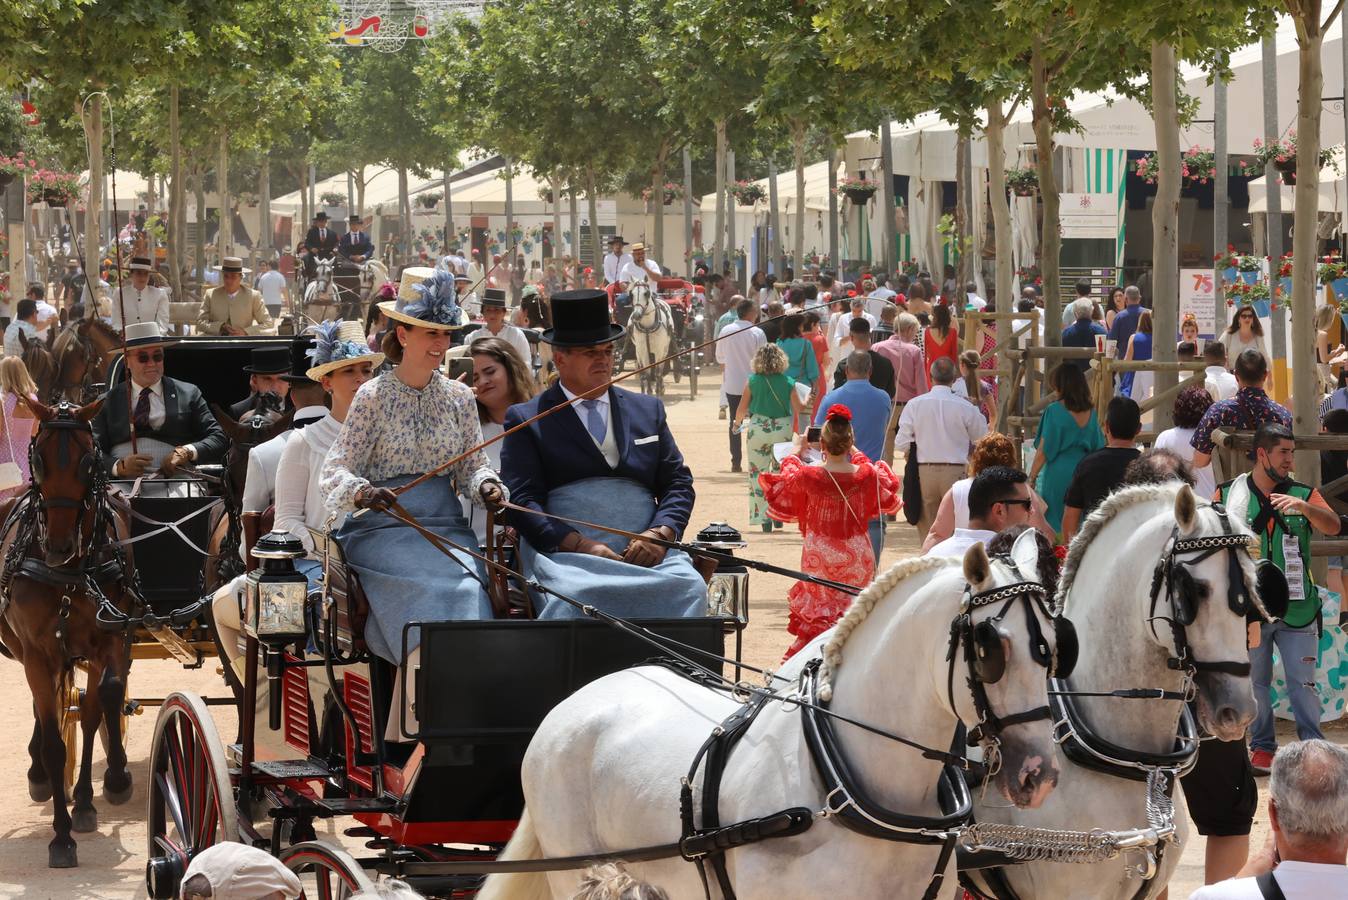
(1028, 504)
(144, 357)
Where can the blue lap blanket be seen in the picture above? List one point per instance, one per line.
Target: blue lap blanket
(672, 589)
(405, 578)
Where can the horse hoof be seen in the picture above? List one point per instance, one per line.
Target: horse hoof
(39, 791)
(117, 795)
(62, 857)
(84, 821)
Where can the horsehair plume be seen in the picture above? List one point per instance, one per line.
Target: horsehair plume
(1100, 516)
(861, 608)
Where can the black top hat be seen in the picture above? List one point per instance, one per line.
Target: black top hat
(494, 298)
(355, 220)
(581, 319)
(321, 215)
(269, 361)
(299, 360)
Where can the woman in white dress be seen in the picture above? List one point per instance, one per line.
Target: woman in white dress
(1190, 405)
(500, 380)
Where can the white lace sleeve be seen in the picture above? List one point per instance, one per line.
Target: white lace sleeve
(350, 453)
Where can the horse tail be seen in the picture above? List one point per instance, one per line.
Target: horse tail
(519, 885)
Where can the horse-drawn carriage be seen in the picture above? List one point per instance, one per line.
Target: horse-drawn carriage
(438, 799)
(340, 288)
(660, 324)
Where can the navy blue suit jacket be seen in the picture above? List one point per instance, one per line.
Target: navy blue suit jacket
(348, 247)
(557, 450)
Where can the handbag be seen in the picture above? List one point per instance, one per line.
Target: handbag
(11, 476)
(912, 488)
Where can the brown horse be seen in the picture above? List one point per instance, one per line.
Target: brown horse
(63, 574)
(255, 427)
(83, 352)
(38, 360)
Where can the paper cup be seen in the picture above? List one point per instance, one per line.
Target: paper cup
(1112, 348)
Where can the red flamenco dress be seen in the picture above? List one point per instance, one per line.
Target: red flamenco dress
(833, 509)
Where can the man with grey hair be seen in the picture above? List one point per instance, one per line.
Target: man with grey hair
(1308, 819)
(1082, 331)
(910, 380)
(941, 427)
(1125, 323)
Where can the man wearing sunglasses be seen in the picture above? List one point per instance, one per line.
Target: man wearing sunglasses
(999, 498)
(173, 424)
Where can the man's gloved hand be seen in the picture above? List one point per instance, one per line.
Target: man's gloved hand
(180, 456)
(132, 466)
(371, 497)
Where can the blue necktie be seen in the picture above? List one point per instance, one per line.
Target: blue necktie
(594, 420)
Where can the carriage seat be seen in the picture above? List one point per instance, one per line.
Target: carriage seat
(341, 588)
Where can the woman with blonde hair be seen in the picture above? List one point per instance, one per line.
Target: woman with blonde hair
(992, 449)
(770, 404)
(16, 419)
(1324, 358)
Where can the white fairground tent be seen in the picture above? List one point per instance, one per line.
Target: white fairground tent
(752, 223)
(1094, 159)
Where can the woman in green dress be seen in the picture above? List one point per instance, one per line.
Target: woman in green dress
(801, 364)
(1068, 430)
(767, 411)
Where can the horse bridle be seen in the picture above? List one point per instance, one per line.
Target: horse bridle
(1181, 593)
(90, 470)
(985, 658)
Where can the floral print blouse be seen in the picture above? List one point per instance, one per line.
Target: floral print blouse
(393, 429)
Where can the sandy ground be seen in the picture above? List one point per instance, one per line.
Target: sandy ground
(112, 859)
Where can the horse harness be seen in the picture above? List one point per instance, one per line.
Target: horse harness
(845, 799)
(1161, 771)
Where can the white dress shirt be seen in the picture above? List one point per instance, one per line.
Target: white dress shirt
(878, 299)
(272, 285)
(961, 540)
(613, 264)
(842, 329)
(259, 485)
(735, 350)
(149, 305)
(630, 272)
(1179, 442)
(609, 447)
(511, 335)
(1298, 881)
(299, 501)
(944, 426)
(1220, 383)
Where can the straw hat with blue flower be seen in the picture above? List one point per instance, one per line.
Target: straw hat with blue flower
(336, 345)
(426, 298)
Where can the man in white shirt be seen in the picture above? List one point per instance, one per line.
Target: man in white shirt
(639, 268)
(1220, 383)
(272, 285)
(944, 426)
(453, 262)
(971, 298)
(1308, 817)
(735, 351)
(842, 329)
(615, 259)
(25, 321)
(494, 314)
(879, 296)
(141, 301)
(999, 498)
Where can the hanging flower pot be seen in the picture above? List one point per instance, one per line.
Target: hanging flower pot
(747, 193)
(858, 190)
(5, 179)
(1023, 182)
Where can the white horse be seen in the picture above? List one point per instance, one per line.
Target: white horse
(319, 290)
(651, 331)
(373, 276)
(603, 771)
(1126, 642)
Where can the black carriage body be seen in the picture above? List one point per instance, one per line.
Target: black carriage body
(213, 363)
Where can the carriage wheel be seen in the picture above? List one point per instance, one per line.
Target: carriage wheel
(191, 802)
(325, 872)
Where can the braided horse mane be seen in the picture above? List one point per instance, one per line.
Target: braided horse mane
(1111, 506)
(862, 606)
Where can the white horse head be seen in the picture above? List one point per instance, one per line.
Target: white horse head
(1128, 545)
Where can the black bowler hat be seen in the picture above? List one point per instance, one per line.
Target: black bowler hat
(269, 361)
(300, 363)
(493, 298)
(581, 319)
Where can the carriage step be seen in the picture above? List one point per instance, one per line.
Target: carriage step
(361, 831)
(290, 770)
(350, 806)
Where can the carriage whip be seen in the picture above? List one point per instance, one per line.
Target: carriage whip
(610, 383)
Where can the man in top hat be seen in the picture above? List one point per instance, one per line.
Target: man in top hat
(615, 259)
(308, 399)
(606, 456)
(173, 424)
(232, 308)
(267, 369)
(494, 314)
(356, 245)
(320, 242)
(353, 249)
(140, 300)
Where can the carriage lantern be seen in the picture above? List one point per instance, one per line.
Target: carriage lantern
(728, 589)
(275, 595)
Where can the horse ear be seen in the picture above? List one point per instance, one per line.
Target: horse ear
(1025, 554)
(1186, 509)
(41, 411)
(977, 568)
(225, 421)
(86, 412)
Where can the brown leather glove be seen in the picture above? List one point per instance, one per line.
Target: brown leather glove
(371, 497)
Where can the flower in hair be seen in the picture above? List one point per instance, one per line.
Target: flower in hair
(838, 411)
(387, 291)
(436, 303)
